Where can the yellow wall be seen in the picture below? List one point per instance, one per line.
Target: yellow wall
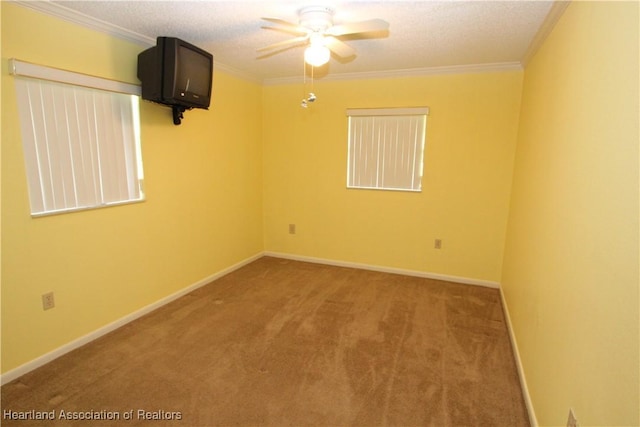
(203, 213)
(570, 274)
(471, 135)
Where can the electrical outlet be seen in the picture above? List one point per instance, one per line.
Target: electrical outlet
(438, 244)
(47, 301)
(292, 229)
(572, 421)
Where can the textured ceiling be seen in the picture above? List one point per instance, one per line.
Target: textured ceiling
(423, 35)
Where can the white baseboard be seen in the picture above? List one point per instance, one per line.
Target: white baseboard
(523, 380)
(383, 269)
(48, 357)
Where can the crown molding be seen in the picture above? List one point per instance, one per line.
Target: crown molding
(58, 11)
(236, 73)
(552, 18)
(410, 72)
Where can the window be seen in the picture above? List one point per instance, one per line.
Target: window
(81, 144)
(386, 148)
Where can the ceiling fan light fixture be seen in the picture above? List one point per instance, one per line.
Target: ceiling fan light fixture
(316, 29)
(317, 55)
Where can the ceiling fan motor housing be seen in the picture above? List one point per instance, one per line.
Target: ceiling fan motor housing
(316, 18)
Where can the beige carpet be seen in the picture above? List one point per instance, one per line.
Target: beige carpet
(286, 343)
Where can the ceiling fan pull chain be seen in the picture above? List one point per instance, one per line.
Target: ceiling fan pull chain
(312, 95)
(312, 68)
(304, 104)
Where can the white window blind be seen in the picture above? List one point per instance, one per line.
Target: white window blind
(386, 148)
(81, 146)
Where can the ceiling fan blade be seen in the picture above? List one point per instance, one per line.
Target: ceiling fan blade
(338, 47)
(285, 43)
(286, 26)
(358, 27)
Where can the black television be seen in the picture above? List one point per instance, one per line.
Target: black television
(176, 73)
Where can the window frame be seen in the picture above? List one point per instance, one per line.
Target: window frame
(83, 95)
(378, 150)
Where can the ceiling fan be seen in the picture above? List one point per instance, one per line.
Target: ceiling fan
(316, 29)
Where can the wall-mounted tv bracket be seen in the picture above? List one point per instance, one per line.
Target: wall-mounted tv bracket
(177, 113)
